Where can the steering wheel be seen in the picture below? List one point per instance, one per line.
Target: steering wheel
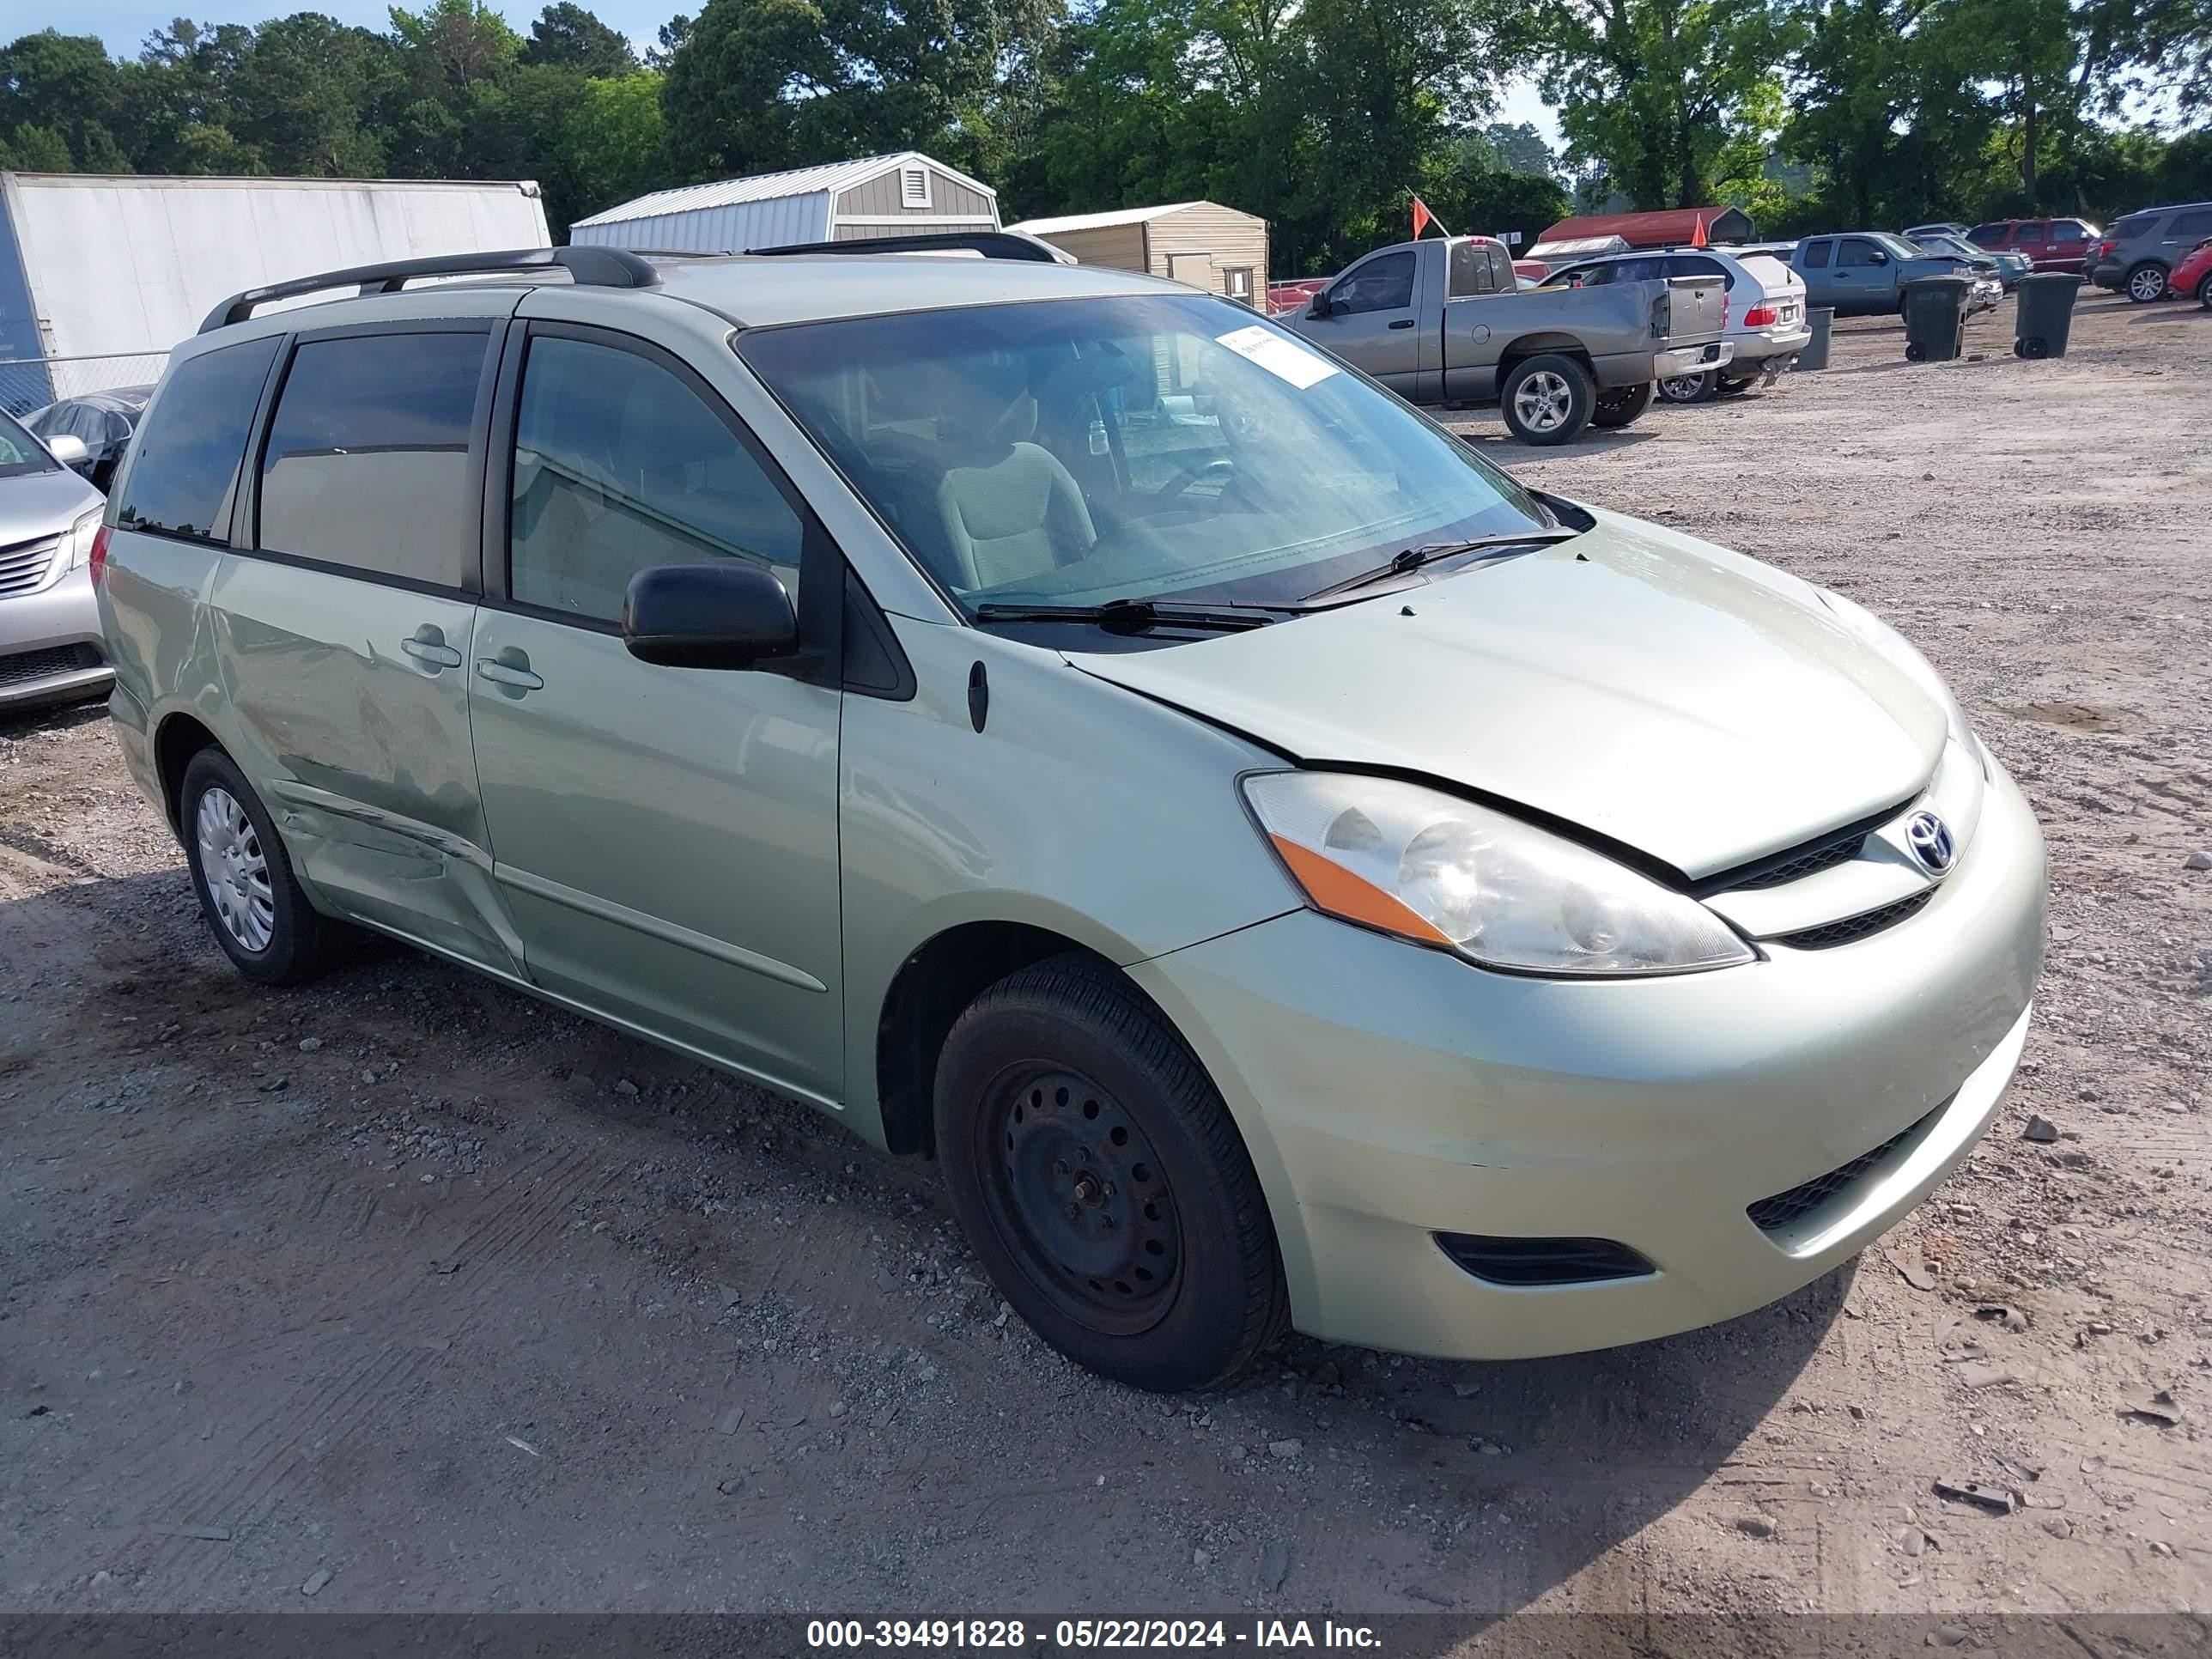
(1190, 474)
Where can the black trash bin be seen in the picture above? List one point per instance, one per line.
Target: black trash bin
(1821, 319)
(1935, 318)
(2045, 314)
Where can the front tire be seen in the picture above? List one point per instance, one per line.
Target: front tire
(1548, 399)
(1100, 1179)
(254, 904)
(2146, 283)
(2204, 292)
(1622, 405)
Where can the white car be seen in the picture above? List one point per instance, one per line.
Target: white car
(1766, 310)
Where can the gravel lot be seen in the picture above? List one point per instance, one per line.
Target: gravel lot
(407, 1289)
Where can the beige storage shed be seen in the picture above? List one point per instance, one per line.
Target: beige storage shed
(1201, 243)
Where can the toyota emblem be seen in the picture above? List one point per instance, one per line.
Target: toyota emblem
(1930, 838)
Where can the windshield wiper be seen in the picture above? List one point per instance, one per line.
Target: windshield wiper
(1137, 615)
(1412, 558)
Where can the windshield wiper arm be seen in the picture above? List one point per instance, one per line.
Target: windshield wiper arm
(1135, 616)
(1412, 558)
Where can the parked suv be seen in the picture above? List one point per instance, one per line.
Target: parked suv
(2139, 253)
(2048, 244)
(49, 649)
(1765, 321)
(1059, 721)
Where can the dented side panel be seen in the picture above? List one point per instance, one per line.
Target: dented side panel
(344, 712)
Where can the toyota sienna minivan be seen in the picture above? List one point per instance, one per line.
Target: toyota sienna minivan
(1060, 722)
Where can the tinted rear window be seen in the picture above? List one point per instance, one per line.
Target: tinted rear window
(1988, 235)
(366, 463)
(188, 455)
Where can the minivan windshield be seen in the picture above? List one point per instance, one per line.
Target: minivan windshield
(21, 453)
(1078, 451)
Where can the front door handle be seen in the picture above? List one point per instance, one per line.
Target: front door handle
(508, 673)
(1403, 322)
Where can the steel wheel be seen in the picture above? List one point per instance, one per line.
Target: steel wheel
(2146, 283)
(1075, 1186)
(1544, 401)
(233, 870)
(1683, 388)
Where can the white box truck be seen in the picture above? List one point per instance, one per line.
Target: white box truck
(101, 275)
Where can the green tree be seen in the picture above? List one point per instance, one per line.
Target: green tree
(1518, 147)
(451, 46)
(565, 36)
(67, 88)
(1655, 87)
(311, 95)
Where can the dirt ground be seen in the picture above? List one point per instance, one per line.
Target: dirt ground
(408, 1289)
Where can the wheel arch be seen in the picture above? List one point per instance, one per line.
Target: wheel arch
(931, 987)
(177, 739)
(1543, 344)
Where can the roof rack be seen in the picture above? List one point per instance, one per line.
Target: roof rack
(588, 267)
(991, 243)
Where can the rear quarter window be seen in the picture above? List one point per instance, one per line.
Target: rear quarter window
(189, 453)
(1990, 235)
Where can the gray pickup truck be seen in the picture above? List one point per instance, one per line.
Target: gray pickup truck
(1444, 322)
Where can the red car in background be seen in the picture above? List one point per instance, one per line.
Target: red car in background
(2048, 244)
(2193, 276)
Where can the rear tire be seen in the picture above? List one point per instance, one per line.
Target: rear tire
(254, 904)
(1548, 399)
(2146, 283)
(1688, 388)
(2204, 292)
(1102, 1183)
(1620, 406)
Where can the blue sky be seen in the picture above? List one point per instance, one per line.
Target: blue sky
(125, 24)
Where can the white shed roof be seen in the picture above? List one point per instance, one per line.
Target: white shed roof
(767, 186)
(1103, 221)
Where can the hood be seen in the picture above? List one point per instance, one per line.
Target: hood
(43, 504)
(1683, 700)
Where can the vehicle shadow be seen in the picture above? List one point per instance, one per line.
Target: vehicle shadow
(1496, 444)
(1328, 1477)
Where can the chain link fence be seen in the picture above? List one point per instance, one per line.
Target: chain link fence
(34, 382)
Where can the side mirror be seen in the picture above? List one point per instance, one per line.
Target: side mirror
(1320, 306)
(728, 613)
(1877, 258)
(69, 449)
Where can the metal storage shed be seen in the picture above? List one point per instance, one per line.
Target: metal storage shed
(904, 194)
(1201, 243)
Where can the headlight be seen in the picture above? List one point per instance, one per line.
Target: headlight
(1442, 871)
(80, 536)
(1899, 650)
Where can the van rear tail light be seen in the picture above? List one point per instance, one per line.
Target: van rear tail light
(1760, 317)
(98, 562)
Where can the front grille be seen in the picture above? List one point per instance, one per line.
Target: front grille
(1543, 1260)
(1832, 933)
(28, 666)
(1772, 1214)
(1824, 855)
(23, 564)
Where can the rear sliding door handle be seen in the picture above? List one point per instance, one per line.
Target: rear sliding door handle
(502, 673)
(430, 651)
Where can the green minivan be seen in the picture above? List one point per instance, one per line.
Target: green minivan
(1062, 723)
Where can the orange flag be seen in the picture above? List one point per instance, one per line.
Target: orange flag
(1422, 217)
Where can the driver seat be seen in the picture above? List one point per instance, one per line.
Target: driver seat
(1010, 508)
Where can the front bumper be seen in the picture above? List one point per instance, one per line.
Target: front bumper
(1693, 360)
(50, 649)
(1389, 1093)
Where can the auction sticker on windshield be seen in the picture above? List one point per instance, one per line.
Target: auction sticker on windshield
(1278, 355)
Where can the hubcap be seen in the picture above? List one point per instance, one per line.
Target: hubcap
(2146, 284)
(233, 870)
(1543, 400)
(1077, 1193)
